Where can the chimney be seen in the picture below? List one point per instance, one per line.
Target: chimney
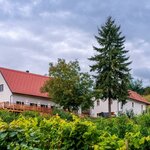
(27, 71)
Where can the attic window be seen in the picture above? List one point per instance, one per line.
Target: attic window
(1, 87)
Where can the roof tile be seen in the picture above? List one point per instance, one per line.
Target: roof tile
(24, 83)
(137, 97)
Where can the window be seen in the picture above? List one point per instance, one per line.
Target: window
(1, 87)
(132, 104)
(98, 114)
(98, 102)
(19, 102)
(33, 104)
(45, 106)
(52, 107)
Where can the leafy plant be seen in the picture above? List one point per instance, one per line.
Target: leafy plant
(8, 116)
(63, 114)
(68, 86)
(28, 132)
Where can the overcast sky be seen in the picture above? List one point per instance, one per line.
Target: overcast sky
(36, 32)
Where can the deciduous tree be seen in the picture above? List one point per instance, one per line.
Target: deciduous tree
(69, 87)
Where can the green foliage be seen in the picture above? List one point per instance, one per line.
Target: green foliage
(63, 114)
(147, 97)
(55, 133)
(144, 122)
(7, 116)
(69, 87)
(130, 113)
(109, 142)
(31, 114)
(111, 63)
(32, 133)
(146, 90)
(137, 86)
(136, 141)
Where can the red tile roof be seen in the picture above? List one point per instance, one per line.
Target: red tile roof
(24, 83)
(137, 97)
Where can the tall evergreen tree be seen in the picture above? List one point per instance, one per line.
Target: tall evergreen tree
(111, 63)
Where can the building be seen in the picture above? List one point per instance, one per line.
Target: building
(17, 87)
(135, 103)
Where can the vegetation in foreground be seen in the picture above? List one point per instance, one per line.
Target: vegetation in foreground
(31, 131)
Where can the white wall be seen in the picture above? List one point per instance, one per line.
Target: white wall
(136, 106)
(103, 107)
(5, 95)
(32, 99)
(116, 107)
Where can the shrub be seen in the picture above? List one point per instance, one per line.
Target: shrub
(30, 114)
(7, 116)
(130, 113)
(144, 122)
(63, 114)
(31, 132)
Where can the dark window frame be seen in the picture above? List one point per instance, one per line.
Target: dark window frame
(1, 87)
(19, 103)
(132, 104)
(44, 105)
(33, 104)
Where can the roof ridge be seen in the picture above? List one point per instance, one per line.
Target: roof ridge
(33, 74)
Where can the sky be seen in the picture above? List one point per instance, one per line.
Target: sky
(34, 33)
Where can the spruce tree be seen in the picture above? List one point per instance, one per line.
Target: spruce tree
(111, 65)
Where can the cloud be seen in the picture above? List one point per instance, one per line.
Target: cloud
(29, 46)
(139, 54)
(35, 32)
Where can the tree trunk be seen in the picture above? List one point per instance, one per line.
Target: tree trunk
(69, 109)
(109, 106)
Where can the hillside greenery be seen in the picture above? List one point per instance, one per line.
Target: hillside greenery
(31, 131)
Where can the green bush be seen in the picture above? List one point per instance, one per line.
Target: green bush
(7, 116)
(63, 114)
(32, 132)
(144, 122)
(30, 114)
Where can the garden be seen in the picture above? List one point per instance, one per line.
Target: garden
(65, 131)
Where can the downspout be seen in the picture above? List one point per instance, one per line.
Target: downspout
(11, 98)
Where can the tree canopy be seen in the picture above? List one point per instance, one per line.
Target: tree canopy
(137, 86)
(69, 87)
(111, 65)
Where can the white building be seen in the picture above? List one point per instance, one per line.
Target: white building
(135, 103)
(23, 88)
(17, 87)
